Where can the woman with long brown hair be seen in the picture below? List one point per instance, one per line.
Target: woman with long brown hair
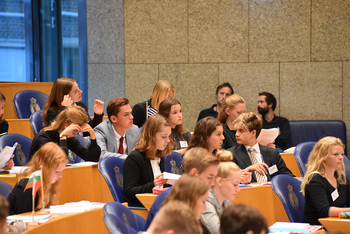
(53, 161)
(65, 92)
(170, 108)
(143, 168)
(68, 124)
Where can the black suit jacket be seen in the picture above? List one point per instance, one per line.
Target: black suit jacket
(137, 177)
(230, 138)
(271, 157)
(139, 113)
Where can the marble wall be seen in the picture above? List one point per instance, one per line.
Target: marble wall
(297, 49)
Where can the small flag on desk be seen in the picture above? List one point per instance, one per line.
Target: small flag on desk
(34, 182)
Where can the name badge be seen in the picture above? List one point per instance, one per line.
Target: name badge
(273, 169)
(183, 144)
(335, 195)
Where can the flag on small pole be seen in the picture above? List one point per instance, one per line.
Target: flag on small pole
(34, 182)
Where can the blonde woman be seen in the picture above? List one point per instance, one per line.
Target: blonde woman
(231, 108)
(142, 111)
(222, 193)
(53, 161)
(71, 121)
(325, 187)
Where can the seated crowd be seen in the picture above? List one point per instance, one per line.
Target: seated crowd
(222, 152)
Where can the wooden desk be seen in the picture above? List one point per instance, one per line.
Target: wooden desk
(291, 163)
(336, 224)
(20, 126)
(86, 222)
(9, 89)
(262, 198)
(78, 183)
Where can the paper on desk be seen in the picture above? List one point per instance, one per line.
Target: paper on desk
(83, 164)
(18, 169)
(172, 178)
(6, 154)
(28, 218)
(268, 136)
(75, 207)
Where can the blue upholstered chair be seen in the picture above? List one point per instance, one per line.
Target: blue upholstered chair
(301, 154)
(26, 102)
(36, 121)
(5, 189)
(22, 150)
(288, 190)
(112, 170)
(117, 226)
(172, 163)
(131, 219)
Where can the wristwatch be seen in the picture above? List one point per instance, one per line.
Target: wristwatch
(61, 135)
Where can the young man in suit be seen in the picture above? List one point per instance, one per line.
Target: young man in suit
(117, 135)
(263, 161)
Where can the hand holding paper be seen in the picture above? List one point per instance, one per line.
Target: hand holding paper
(268, 136)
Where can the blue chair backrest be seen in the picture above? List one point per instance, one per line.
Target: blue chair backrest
(288, 190)
(112, 170)
(131, 219)
(172, 163)
(27, 102)
(314, 130)
(22, 150)
(346, 161)
(72, 157)
(117, 226)
(36, 121)
(5, 189)
(301, 154)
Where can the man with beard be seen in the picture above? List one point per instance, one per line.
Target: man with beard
(222, 91)
(266, 107)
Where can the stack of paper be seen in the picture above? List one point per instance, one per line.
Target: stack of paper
(286, 228)
(75, 207)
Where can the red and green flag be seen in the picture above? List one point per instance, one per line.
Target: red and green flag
(34, 182)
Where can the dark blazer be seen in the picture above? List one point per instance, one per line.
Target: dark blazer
(271, 157)
(137, 177)
(139, 113)
(230, 138)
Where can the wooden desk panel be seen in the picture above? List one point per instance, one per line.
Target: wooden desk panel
(86, 222)
(291, 163)
(9, 89)
(336, 224)
(262, 198)
(20, 126)
(78, 183)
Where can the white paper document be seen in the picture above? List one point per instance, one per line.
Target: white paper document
(28, 218)
(172, 178)
(6, 154)
(75, 207)
(268, 136)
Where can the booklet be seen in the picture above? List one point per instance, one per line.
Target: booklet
(6, 154)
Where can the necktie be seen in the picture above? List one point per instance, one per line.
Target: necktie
(121, 148)
(259, 178)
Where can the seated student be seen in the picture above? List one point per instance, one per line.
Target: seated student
(197, 162)
(242, 219)
(170, 108)
(252, 156)
(117, 135)
(4, 126)
(175, 217)
(53, 161)
(143, 168)
(4, 212)
(222, 193)
(142, 111)
(222, 91)
(68, 124)
(191, 190)
(65, 92)
(325, 186)
(232, 107)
